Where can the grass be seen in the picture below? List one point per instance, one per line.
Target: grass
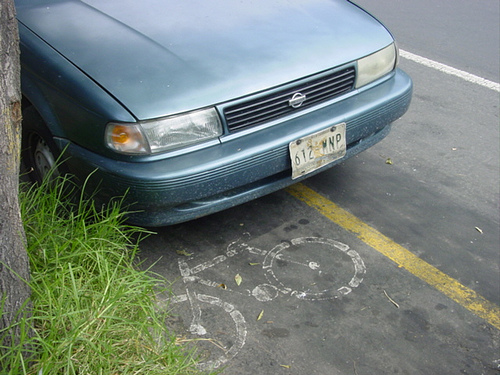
(93, 309)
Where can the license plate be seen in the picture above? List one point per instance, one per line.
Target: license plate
(316, 150)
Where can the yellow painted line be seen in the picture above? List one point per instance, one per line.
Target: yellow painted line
(447, 285)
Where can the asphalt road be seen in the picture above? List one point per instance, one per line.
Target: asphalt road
(365, 313)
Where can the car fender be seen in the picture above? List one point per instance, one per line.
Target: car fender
(71, 104)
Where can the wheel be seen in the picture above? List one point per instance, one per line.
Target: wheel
(216, 348)
(40, 155)
(329, 269)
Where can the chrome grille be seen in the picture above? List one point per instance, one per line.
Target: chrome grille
(275, 105)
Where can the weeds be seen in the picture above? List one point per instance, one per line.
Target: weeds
(93, 311)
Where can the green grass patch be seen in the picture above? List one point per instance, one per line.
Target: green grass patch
(93, 309)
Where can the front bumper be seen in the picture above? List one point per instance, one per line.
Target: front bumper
(244, 166)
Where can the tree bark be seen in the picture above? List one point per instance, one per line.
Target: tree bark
(14, 266)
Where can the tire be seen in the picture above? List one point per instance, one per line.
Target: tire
(40, 154)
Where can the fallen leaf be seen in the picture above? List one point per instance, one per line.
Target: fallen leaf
(286, 366)
(183, 252)
(388, 161)
(260, 315)
(254, 264)
(223, 286)
(238, 279)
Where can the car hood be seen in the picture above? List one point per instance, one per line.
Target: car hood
(160, 57)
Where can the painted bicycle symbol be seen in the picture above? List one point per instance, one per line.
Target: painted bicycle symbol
(328, 269)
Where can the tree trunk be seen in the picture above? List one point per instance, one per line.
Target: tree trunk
(14, 266)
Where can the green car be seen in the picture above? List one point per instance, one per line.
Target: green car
(192, 107)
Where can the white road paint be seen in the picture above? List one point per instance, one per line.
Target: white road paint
(209, 264)
(313, 265)
(450, 70)
(196, 328)
(304, 292)
(197, 302)
(263, 292)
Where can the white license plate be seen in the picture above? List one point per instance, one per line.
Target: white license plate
(316, 150)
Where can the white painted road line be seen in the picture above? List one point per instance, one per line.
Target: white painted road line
(450, 70)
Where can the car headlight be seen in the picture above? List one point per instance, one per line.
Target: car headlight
(153, 136)
(376, 65)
